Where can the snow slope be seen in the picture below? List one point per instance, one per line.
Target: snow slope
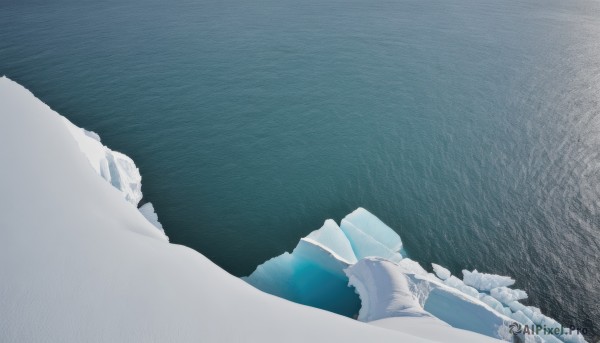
(80, 263)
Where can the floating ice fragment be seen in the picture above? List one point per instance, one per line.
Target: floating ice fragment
(485, 282)
(440, 271)
(413, 267)
(491, 302)
(507, 295)
(521, 318)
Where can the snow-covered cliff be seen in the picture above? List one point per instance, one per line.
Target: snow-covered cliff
(80, 263)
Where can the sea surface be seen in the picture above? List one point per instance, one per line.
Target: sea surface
(470, 127)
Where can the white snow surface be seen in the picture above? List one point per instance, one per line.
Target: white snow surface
(431, 328)
(79, 263)
(383, 292)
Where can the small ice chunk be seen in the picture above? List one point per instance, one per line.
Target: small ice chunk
(507, 295)
(411, 267)
(485, 282)
(516, 306)
(506, 311)
(441, 272)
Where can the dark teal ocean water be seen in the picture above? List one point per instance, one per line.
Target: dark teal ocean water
(471, 127)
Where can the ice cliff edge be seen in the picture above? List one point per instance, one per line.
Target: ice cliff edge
(80, 263)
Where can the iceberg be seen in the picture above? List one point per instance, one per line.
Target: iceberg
(383, 293)
(313, 273)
